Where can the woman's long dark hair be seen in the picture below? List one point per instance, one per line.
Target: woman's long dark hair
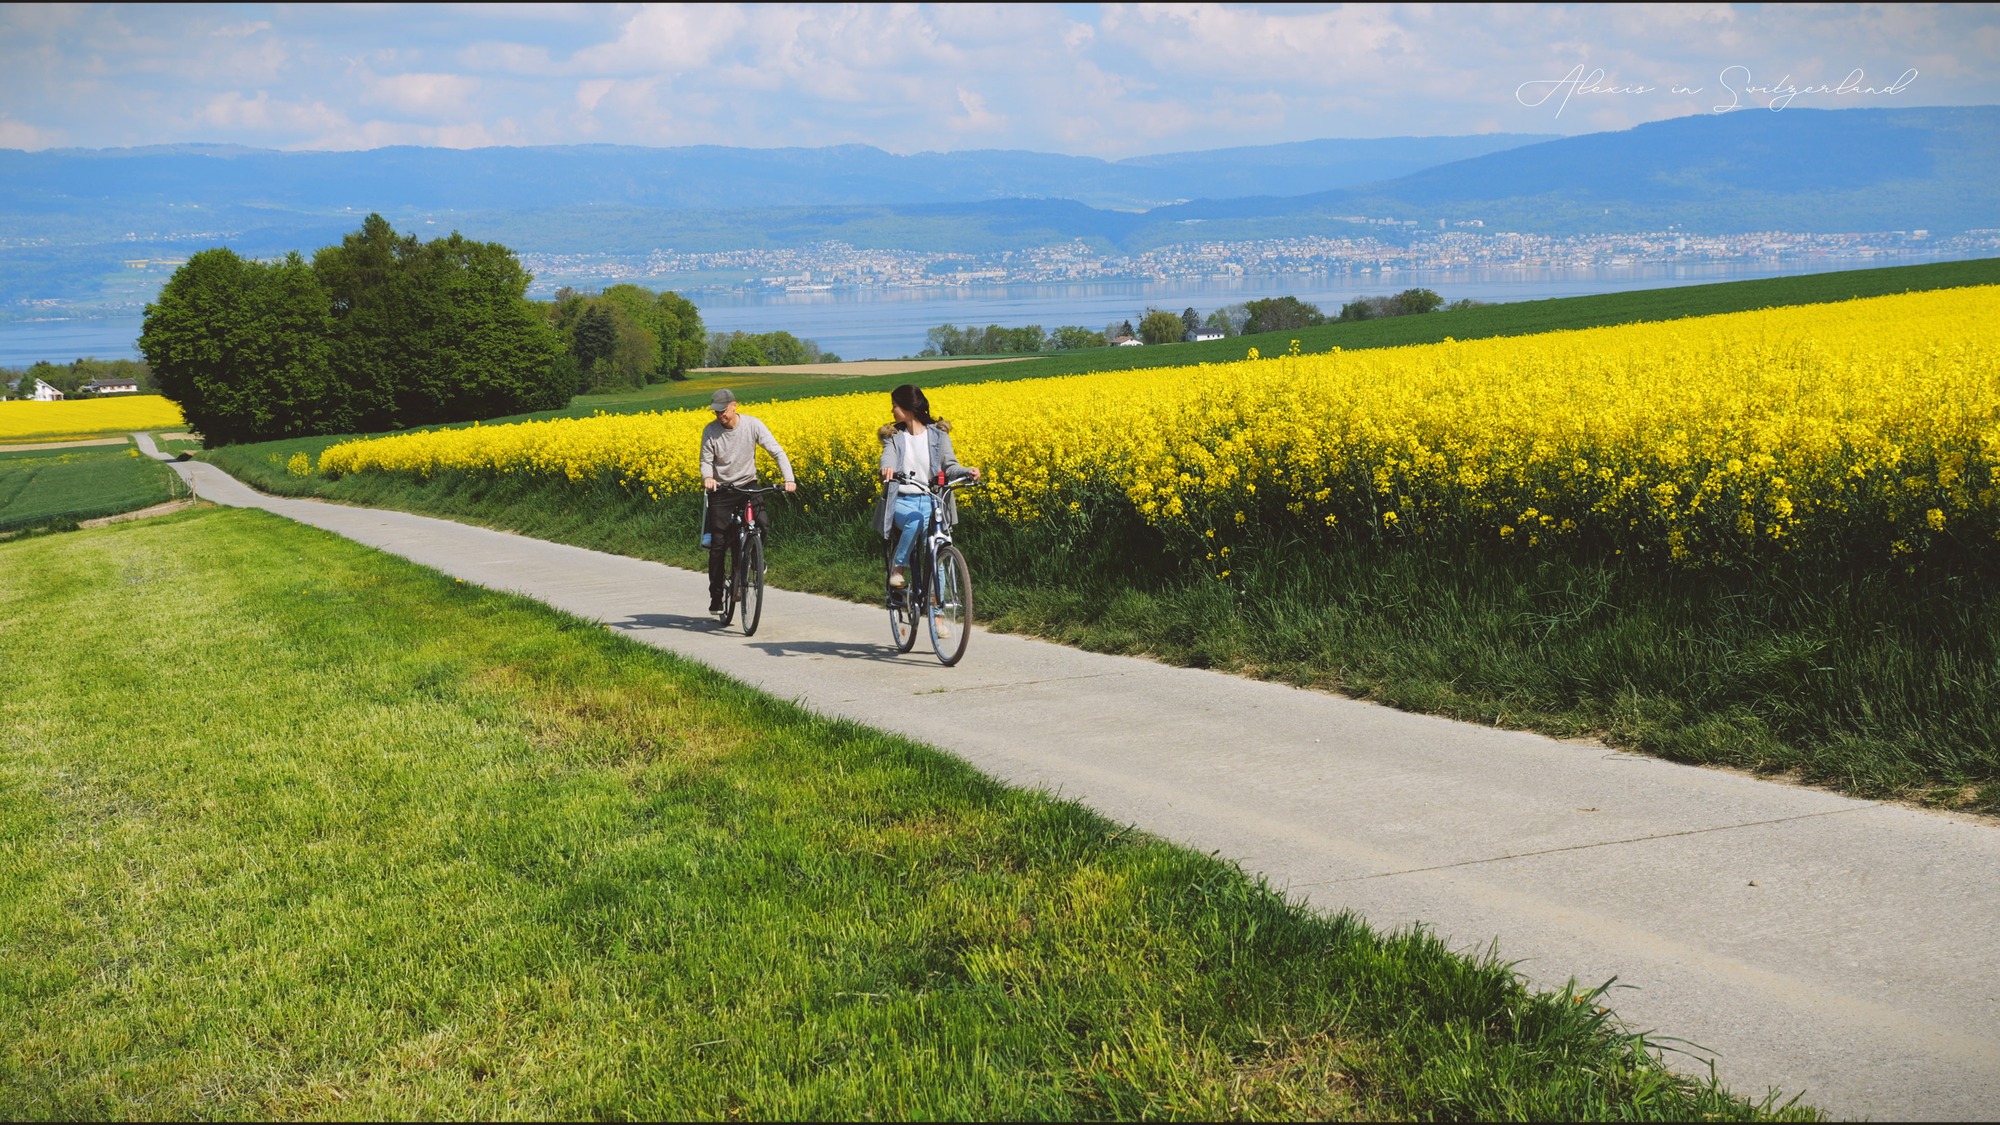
(911, 398)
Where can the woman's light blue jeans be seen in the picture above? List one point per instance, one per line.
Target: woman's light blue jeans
(912, 519)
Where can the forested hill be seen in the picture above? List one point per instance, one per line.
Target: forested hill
(1798, 170)
(701, 177)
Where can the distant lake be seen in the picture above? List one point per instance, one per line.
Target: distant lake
(889, 323)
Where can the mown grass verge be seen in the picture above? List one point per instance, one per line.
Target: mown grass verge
(1881, 684)
(289, 828)
(59, 487)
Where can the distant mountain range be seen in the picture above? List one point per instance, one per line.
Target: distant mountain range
(1824, 171)
(1816, 171)
(67, 217)
(696, 178)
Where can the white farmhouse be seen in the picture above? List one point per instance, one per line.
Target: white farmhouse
(110, 387)
(45, 393)
(1201, 337)
(1127, 342)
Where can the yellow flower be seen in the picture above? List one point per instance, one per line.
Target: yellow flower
(1830, 428)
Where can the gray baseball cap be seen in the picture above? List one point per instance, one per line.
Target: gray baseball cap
(722, 400)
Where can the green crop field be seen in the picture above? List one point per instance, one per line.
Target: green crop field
(291, 828)
(62, 486)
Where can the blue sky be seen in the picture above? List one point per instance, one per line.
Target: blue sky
(1111, 80)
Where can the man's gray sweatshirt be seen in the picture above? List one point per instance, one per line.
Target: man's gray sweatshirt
(730, 456)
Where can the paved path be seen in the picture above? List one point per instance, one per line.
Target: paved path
(1814, 942)
(25, 446)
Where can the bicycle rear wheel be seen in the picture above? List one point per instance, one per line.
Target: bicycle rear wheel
(950, 605)
(729, 560)
(902, 610)
(753, 583)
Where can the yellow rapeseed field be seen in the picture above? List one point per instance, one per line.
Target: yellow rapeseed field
(123, 414)
(1868, 426)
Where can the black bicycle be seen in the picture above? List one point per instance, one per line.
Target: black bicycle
(743, 580)
(940, 585)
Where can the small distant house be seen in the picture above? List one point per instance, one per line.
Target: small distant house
(1201, 336)
(1127, 342)
(45, 393)
(110, 387)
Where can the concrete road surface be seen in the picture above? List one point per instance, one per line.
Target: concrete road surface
(1803, 940)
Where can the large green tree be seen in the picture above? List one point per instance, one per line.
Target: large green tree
(629, 335)
(244, 348)
(744, 351)
(689, 339)
(678, 337)
(1281, 314)
(378, 332)
(1161, 326)
(438, 331)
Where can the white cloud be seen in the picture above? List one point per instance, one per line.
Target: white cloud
(419, 93)
(976, 118)
(666, 37)
(263, 114)
(20, 134)
(377, 134)
(1111, 79)
(588, 94)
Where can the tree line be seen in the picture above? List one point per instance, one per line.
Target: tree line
(1164, 326)
(626, 336)
(70, 378)
(383, 332)
(377, 333)
(763, 349)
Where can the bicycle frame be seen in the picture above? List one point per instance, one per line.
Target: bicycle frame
(743, 531)
(932, 592)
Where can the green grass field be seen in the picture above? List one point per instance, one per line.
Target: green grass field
(58, 487)
(290, 828)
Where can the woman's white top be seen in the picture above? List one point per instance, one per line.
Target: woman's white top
(916, 455)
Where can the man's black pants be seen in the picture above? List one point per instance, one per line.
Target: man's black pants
(722, 512)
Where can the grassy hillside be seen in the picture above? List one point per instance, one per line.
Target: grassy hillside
(322, 833)
(60, 487)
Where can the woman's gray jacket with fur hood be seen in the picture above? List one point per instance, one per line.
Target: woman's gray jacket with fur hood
(942, 457)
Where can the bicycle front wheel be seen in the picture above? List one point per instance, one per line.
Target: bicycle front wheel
(950, 605)
(753, 584)
(902, 612)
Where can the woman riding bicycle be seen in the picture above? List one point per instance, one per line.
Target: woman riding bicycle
(915, 448)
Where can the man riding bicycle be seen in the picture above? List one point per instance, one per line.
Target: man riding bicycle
(729, 460)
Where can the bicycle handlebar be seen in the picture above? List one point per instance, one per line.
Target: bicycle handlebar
(961, 482)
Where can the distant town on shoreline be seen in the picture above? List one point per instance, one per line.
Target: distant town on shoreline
(837, 265)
